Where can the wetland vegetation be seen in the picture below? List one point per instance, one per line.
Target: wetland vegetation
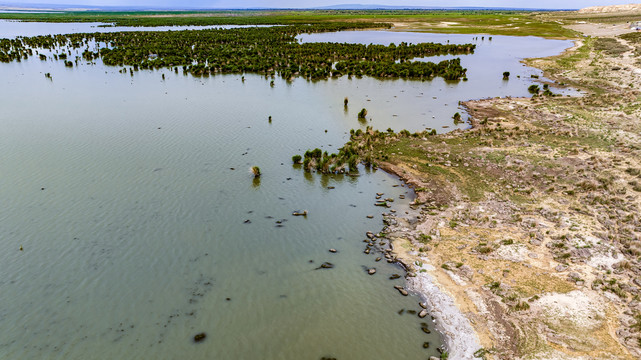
(535, 181)
(526, 23)
(269, 51)
(360, 149)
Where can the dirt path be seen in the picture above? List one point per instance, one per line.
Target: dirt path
(599, 30)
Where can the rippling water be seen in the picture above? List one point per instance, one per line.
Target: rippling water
(142, 226)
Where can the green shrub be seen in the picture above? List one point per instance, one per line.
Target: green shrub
(484, 249)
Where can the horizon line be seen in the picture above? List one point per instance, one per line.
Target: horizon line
(82, 7)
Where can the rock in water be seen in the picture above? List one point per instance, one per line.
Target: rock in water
(325, 265)
(401, 290)
(200, 337)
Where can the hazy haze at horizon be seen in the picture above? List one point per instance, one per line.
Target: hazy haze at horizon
(542, 4)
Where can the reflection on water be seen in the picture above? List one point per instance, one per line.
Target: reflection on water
(438, 99)
(256, 182)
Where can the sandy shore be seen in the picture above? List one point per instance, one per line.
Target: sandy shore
(460, 338)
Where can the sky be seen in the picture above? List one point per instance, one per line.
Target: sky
(540, 4)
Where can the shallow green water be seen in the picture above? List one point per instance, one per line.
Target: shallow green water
(133, 202)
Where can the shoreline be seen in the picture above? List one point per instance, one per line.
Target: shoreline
(460, 338)
(497, 270)
(453, 319)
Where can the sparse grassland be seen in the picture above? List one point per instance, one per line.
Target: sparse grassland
(532, 215)
(610, 46)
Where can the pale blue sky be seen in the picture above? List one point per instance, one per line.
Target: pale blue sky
(548, 4)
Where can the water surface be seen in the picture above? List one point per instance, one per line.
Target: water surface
(133, 202)
(432, 103)
(142, 226)
(12, 28)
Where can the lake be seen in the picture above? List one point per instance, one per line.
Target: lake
(141, 225)
(10, 29)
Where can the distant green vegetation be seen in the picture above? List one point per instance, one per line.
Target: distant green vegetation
(490, 22)
(202, 18)
(264, 50)
(633, 37)
(515, 23)
(600, 18)
(610, 46)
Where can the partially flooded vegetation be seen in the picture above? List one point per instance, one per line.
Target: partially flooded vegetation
(268, 51)
(529, 209)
